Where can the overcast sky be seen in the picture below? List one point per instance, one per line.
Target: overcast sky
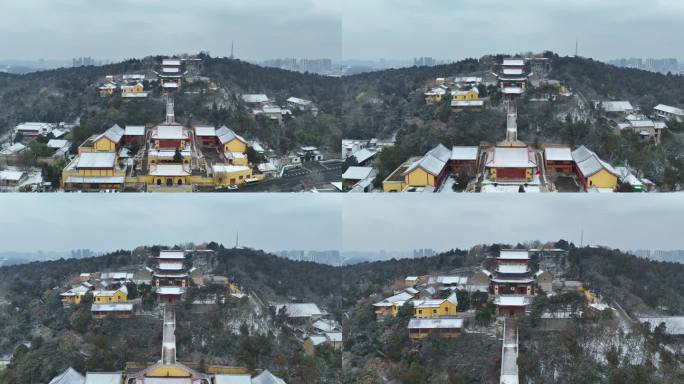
(61, 222)
(354, 29)
(408, 221)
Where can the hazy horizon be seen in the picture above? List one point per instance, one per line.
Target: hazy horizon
(347, 223)
(354, 29)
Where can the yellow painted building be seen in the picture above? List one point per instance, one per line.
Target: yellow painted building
(104, 297)
(74, 296)
(93, 170)
(470, 94)
(393, 186)
(592, 171)
(434, 95)
(391, 305)
(602, 179)
(429, 169)
(231, 141)
(236, 158)
(235, 145)
(430, 308)
(225, 175)
(104, 142)
(135, 88)
(419, 178)
(443, 327)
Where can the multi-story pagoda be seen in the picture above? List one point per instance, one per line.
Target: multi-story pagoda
(512, 282)
(512, 78)
(170, 75)
(170, 276)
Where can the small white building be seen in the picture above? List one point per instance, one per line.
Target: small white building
(617, 107)
(33, 129)
(255, 98)
(668, 113)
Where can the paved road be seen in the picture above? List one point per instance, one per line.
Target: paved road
(294, 180)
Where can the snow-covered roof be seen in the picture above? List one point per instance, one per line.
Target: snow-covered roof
(628, 177)
(512, 300)
(617, 106)
(267, 167)
(169, 290)
(300, 309)
(116, 275)
(512, 71)
(357, 173)
(267, 377)
(96, 160)
(463, 153)
(114, 133)
(467, 103)
(12, 149)
(170, 132)
(171, 265)
(255, 98)
(512, 91)
(399, 298)
(57, 144)
(668, 109)
(363, 155)
(464, 92)
(298, 101)
(172, 255)
(103, 378)
(8, 175)
(33, 127)
(232, 379)
(433, 162)
(335, 337)
(438, 323)
(435, 303)
(69, 376)
(112, 307)
(589, 163)
(169, 170)
(205, 131)
(642, 124)
(226, 135)
(448, 280)
(318, 339)
(95, 179)
(171, 62)
(57, 133)
(325, 325)
(558, 154)
(512, 268)
(511, 157)
(435, 92)
(511, 62)
(514, 254)
(467, 79)
(134, 130)
(227, 168)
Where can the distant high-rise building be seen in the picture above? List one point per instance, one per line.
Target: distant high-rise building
(82, 61)
(648, 64)
(423, 252)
